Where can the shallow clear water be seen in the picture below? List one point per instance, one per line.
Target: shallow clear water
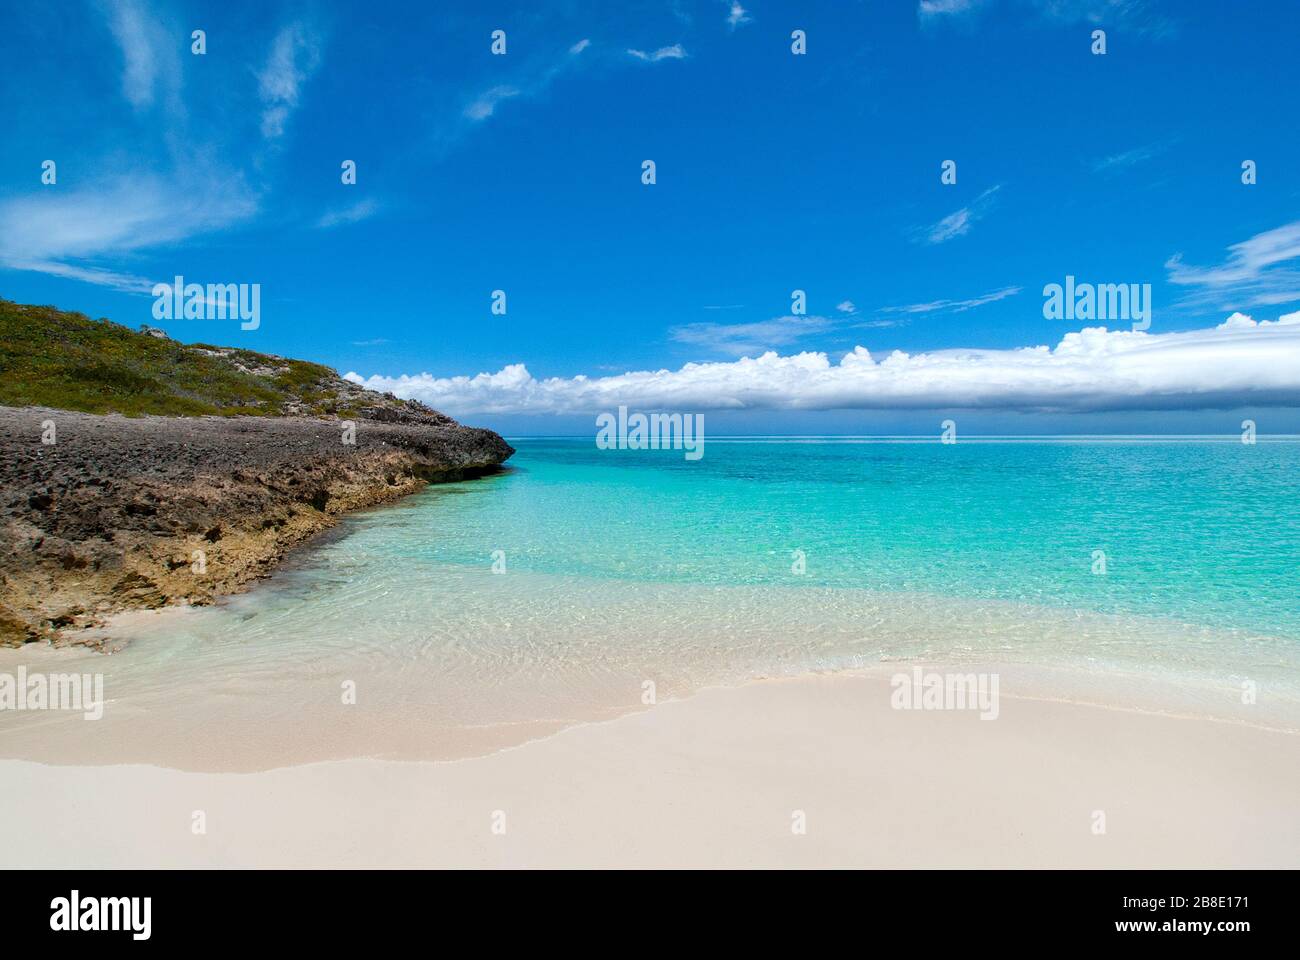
(1204, 532)
(625, 568)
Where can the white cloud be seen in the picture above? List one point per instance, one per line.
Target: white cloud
(954, 306)
(958, 224)
(295, 54)
(846, 307)
(1239, 362)
(47, 230)
(1240, 321)
(149, 58)
(486, 103)
(1254, 274)
(84, 231)
(362, 210)
(532, 83)
(133, 34)
(953, 225)
(939, 8)
(736, 14)
(100, 276)
(675, 52)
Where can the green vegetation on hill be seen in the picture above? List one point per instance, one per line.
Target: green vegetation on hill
(53, 358)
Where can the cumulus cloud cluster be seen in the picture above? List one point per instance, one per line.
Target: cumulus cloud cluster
(1241, 361)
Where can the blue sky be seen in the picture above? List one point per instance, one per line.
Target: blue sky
(775, 172)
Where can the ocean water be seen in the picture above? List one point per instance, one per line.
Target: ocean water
(1205, 532)
(480, 614)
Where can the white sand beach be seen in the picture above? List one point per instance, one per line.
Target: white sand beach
(720, 779)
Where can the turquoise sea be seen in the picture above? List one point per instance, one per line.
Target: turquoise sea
(477, 614)
(1206, 532)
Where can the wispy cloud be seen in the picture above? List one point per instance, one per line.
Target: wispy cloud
(64, 234)
(954, 225)
(954, 306)
(100, 276)
(150, 65)
(361, 210)
(753, 339)
(295, 55)
(1137, 16)
(1237, 363)
(739, 339)
(675, 52)
(736, 14)
(532, 83)
(486, 103)
(1260, 271)
(958, 223)
(1122, 161)
(97, 229)
(135, 35)
(929, 9)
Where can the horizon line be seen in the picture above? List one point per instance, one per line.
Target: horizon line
(1011, 437)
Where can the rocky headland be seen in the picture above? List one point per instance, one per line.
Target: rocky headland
(102, 512)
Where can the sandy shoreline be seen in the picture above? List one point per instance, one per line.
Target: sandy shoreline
(717, 779)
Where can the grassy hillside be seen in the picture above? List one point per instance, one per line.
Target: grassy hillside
(52, 358)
